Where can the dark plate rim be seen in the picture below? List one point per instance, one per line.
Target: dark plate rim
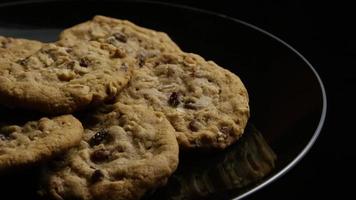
(318, 129)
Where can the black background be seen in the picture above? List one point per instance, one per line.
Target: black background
(324, 33)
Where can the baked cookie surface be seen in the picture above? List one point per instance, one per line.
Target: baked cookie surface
(126, 151)
(36, 141)
(206, 104)
(138, 42)
(17, 48)
(63, 78)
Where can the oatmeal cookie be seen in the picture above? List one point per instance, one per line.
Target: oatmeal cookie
(126, 151)
(138, 42)
(61, 78)
(17, 48)
(36, 141)
(206, 104)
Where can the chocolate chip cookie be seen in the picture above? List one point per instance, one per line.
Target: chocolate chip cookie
(126, 151)
(206, 104)
(138, 42)
(62, 78)
(36, 141)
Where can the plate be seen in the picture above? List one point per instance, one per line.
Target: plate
(287, 97)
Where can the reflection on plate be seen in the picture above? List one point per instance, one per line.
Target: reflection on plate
(205, 175)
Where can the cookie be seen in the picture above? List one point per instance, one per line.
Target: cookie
(61, 78)
(206, 104)
(126, 151)
(138, 42)
(36, 141)
(18, 48)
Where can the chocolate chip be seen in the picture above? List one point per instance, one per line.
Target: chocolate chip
(193, 125)
(99, 137)
(174, 100)
(100, 155)
(97, 175)
(120, 37)
(84, 62)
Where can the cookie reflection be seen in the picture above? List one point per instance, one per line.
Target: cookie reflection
(214, 176)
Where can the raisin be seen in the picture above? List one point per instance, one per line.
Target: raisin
(69, 50)
(120, 37)
(100, 155)
(174, 99)
(111, 40)
(23, 62)
(141, 59)
(124, 67)
(193, 126)
(84, 62)
(120, 149)
(70, 65)
(227, 130)
(169, 59)
(97, 176)
(118, 53)
(99, 137)
(3, 137)
(190, 104)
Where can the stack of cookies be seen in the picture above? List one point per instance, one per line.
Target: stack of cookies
(114, 103)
